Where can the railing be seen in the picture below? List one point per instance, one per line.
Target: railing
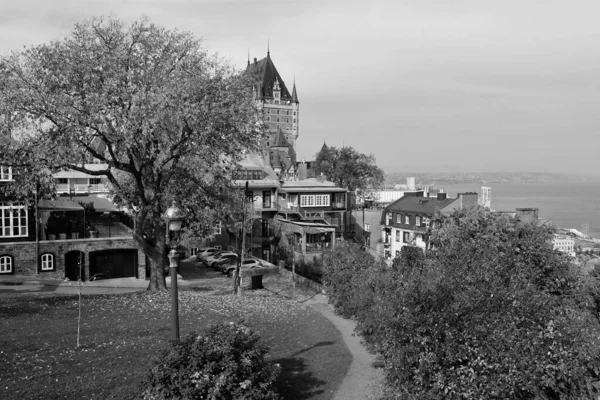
(62, 188)
(281, 207)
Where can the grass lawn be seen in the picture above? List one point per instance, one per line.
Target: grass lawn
(121, 335)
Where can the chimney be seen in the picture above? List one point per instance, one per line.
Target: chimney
(468, 199)
(527, 214)
(321, 178)
(254, 60)
(302, 171)
(441, 196)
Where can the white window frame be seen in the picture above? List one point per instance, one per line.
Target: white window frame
(5, 174)
(7, 211)
(426, 220)
(315, 200)
(407, 220)
(193, 251)
(47, 262)
(418, 221)
(6, 264)
(399, 218)
(367, 227)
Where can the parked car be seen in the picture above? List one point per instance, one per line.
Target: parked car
(229, 268)
(209, 259)
(223, 258)
(204, 252)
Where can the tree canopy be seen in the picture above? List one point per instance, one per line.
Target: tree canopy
(168, 119)
(348, 168)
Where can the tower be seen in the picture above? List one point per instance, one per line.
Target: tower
(281, 110)
(486, 197)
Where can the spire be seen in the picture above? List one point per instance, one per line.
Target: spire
(268, 49)
(248, 56)
(294, 94)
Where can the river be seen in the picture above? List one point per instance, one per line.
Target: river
(568, 204)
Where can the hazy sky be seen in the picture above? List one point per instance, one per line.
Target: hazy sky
(424, 85)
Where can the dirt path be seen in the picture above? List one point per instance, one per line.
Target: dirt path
(363, 381)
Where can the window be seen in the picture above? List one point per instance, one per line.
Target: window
(217, 229)
(322, 200)
(399, 218)
(388, 218)
(307, 201)
(367, 227)
(267, 199)
(407, 220)
(318, 200)
(268, 119)
(6, 264)
(63, 181)
(287, 119)
(406, 237)
(397, 253)
(47, 262)
(193, 251)
(277, 114)
(294, 112)
(294, 120)
(418, 221)
(397, 236)
(5, 173)
(426, 220)
(277, 126)
(277, 119)
(13, 220)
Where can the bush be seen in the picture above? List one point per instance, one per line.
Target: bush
(492, 312)
(226, 363)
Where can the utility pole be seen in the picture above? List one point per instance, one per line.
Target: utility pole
(294, 268)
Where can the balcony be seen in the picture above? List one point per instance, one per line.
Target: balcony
(81, 188)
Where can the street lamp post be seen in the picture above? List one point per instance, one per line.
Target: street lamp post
(173, 218)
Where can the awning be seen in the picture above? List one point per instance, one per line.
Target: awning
(60, 204)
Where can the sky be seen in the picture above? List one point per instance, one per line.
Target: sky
(423, 85)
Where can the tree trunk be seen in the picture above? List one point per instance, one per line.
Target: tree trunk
(156, 253)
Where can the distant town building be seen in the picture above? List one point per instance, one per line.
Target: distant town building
(405, 221)
(564, 244)
(485, 200)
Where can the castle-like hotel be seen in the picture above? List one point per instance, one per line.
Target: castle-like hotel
(281, 114)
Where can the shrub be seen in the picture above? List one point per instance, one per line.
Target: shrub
(492, 312)
(226, 363)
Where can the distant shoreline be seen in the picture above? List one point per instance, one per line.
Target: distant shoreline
(485, 178)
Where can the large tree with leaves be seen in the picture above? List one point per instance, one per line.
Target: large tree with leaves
(168, 119)
(349, 168)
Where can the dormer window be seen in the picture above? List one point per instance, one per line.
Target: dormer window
(5, 174)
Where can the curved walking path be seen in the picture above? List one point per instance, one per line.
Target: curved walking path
(362, 381)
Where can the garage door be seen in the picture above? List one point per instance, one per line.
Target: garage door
(114, 263)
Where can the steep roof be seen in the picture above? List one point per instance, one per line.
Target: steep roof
(418, 204)
(294, 94)
(266, 74)
(280, 140)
